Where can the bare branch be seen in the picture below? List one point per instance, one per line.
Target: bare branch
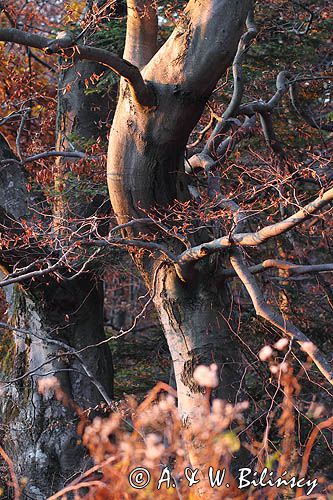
(30, 271)
(23, 276)
(41, 61)
(14, 35)
(305, 113)
(258, 237)
(142, 93)
(202, 132)
(299, 31)
(270, 136)
(66, 45)
(284, 82)
(237, 70)
(226, 146)
(13, 116)
(47, 154)
(68, 350)
(148, 245)
(282, 85)
(293, 269)
(19, 132)
(267, 312)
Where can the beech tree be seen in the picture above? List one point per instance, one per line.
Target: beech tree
(187, 231)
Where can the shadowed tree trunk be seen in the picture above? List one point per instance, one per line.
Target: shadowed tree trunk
(48, 318)
(40, 435)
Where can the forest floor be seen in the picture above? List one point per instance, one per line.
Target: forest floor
(141, 360)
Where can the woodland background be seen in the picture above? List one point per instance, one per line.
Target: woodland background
(284, 411)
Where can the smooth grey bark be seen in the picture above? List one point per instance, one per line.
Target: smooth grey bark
(196, 321)
(146, 169)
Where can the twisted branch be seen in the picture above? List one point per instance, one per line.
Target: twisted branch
(65, 44)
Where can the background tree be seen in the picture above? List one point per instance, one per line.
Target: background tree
(51, 316)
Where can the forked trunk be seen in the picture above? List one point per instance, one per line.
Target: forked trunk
(146, 170)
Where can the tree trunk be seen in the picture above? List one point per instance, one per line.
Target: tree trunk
(195, 321)
(40, 434)
(146, 169)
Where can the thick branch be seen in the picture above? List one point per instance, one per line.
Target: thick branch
(270, 137)
(142, 93)
(141, 33)
(265, 311)
(140, 90)
(258, 237)
(282, 85)
(200, 49)
(225, 148)
(47, 154)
